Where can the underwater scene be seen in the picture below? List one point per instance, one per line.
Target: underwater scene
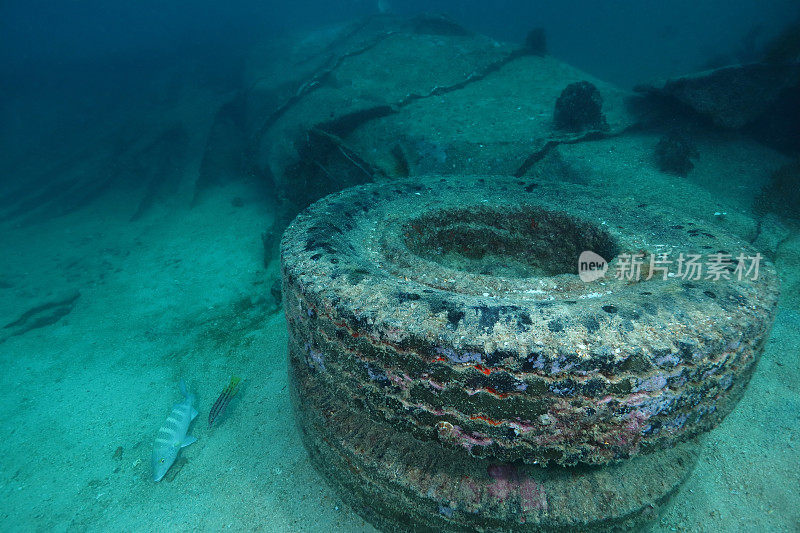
(382, 266)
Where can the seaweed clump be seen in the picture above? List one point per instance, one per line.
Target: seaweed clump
(781, 195)
(674, 154)
(536, 42)
(580, 107)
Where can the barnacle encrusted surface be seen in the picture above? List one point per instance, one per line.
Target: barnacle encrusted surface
(450, 311)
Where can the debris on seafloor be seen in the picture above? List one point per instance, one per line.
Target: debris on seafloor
(580, 108)
(674, 153)
(42, 315)
(224, 399)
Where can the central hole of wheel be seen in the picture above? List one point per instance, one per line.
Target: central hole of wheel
(512, 242)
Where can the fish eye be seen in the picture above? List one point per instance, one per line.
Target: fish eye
(161, 460)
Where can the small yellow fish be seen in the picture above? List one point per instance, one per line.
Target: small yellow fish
(224, 399)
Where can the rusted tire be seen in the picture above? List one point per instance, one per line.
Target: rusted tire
(450, 310)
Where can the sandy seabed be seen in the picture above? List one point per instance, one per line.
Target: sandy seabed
(184, 293)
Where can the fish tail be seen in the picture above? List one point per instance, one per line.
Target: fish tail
(185, 391)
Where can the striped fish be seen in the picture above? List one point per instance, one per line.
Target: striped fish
(172, 436)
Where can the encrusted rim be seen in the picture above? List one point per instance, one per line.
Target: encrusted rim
(541, 368)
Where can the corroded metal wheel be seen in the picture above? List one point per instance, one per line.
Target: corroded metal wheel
(451, 369)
